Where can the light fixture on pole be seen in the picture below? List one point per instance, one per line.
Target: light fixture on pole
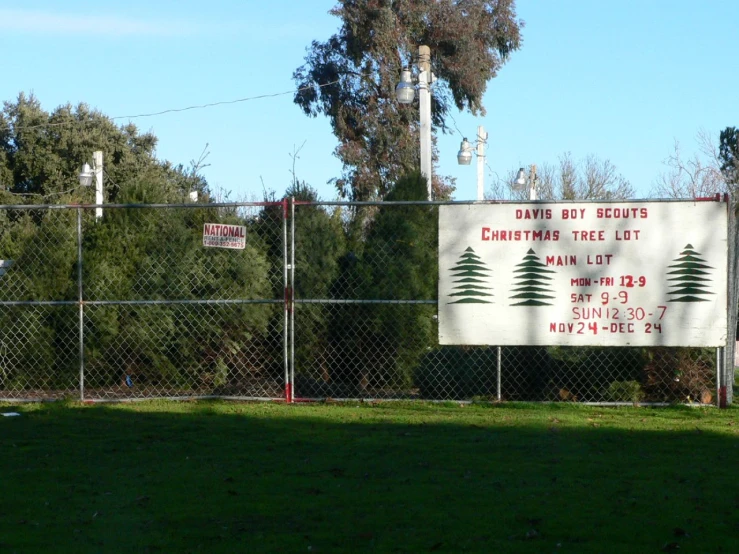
(405, 94)
(531, 179)
(96, 172)
(464, 157)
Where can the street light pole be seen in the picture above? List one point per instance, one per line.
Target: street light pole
(97, 168)
(86, 176)
(482, 138)
(464, 157)
(425, 78)
(531, 180)
(405, 94)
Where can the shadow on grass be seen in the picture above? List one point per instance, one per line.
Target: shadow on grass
(219, 477)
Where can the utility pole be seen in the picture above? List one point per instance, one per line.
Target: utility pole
(482, 138)
(425, 78)
(97, 168)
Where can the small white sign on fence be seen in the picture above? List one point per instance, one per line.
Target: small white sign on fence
(218, 235)
(5, 265)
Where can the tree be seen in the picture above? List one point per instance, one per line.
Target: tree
(41, 154)
(131, 254)
(319, 244)
(351, 79)
(380, 345)
(590, 179)
(692, 177)
(729, 155)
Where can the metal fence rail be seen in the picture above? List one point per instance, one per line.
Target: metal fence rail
(326, 300)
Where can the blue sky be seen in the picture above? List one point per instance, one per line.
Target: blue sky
(620, 79)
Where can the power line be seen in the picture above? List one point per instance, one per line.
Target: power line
(461, 134)
(43, 195)
(188, 108)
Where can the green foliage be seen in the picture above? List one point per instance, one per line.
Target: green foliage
(454, 372)
(351, 79)
(319, 245)
(466, 372)
(41, 153)
(130, 254)
(729, 155)
(147, 254)
(624, 391)
(36, 351)
(574, 377)
(684, 374)
(383, 343)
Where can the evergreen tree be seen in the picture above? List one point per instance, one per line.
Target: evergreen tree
(128, 255)
(380, 344)
(41, 153)
(319, 245)
(729, 155)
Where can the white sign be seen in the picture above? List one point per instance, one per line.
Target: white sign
(597, 274)
(5, 265)
(219, 235)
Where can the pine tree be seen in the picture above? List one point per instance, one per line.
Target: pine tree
(470, 274)
(690, 277)
(351, 77)
(532, 282)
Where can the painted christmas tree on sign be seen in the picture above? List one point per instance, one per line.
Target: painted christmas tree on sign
(691, 276)
(531, 282)
(470, 275)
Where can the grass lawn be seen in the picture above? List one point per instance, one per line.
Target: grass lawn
(228, 477)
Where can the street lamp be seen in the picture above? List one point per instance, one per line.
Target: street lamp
(86, 176)
(464, 157)
(531, 180)
(405, 94)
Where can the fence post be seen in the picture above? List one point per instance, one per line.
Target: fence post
(292, 298)
(499, 363)
(285, 324)
(726, 393)
(81, 304)
(733, 295)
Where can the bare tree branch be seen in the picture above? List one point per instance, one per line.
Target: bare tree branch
(590, 179)
(692, 177)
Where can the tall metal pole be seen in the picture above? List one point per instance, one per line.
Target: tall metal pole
(499, 364)
(81, 306)
(733, 291)
(425, 78)
(292, 299)
(97, 163)
(532, 177)
(286, 321)
(482, 138)
(720, 390)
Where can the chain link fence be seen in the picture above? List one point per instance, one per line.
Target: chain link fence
(133, 306)
(325, 300)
